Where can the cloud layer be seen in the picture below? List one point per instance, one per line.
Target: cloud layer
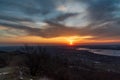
(98, 18)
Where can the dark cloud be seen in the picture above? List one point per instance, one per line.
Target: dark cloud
(54, 30)
(102, 10)
(12, 18)
(28, 6)
(40, 7)
(106, 30)
(15, 26)
(64, 16)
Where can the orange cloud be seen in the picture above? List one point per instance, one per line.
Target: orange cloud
(39, 40)
(58, 40)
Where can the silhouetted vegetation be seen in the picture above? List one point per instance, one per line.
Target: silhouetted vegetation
(39, 62)
(36, 62)
(3, 62)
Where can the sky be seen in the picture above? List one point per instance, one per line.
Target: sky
(59, 21)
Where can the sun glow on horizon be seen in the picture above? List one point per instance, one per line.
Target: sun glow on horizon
(65, 40)
(71, 42)
(75, 39)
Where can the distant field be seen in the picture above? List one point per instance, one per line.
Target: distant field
(4, 73)
(7, 74)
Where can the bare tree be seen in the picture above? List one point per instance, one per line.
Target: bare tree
(40, 63)
(34, 58)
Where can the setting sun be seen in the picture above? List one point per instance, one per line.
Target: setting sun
(71, 42)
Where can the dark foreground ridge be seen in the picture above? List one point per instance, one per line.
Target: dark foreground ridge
(58, 63)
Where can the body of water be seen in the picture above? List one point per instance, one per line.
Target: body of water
(102, 51)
